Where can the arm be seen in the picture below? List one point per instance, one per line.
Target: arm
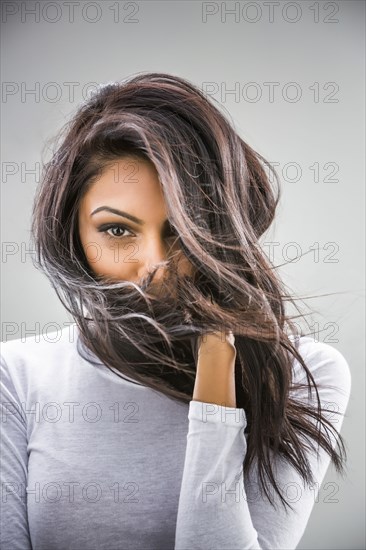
(14, 533)
(211, 513)
(215, 373)
(217, 509)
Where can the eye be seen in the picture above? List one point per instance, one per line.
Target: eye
(114, 227)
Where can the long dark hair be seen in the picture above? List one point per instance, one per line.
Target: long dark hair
(220, 202)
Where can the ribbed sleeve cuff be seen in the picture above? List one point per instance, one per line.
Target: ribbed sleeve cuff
(212, 413)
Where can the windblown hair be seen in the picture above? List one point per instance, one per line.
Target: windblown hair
(220, 201)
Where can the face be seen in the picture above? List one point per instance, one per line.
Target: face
(123, 225)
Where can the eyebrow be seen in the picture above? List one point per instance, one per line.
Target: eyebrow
(124, 215)
(119, 213)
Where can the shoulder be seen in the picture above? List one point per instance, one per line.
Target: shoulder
(329, 368)
(325, 361)
(46, 343)
(37, 357)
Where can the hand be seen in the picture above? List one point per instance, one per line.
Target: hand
(216, 345)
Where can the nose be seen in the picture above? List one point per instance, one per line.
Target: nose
(154, 255)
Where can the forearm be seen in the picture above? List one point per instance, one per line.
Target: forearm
(215, 378)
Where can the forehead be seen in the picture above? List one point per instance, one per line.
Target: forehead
(129, 182)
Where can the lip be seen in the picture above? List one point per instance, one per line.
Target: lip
(162, 293)
(163, 290)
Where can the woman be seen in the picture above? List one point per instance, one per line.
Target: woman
(182, 409)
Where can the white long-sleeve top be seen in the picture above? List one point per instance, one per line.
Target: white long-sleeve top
(91, 461)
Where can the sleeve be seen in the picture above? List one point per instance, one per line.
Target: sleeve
(218, 508)
(14, 532)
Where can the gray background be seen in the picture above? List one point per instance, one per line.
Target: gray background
(312, 126)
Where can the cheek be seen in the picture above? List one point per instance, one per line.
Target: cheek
(185, 266)
(113, 260)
